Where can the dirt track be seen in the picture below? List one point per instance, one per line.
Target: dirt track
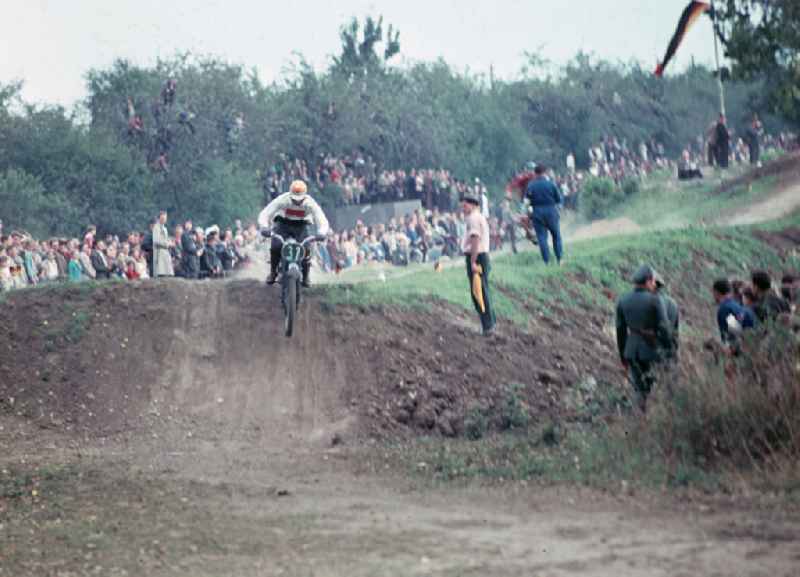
(775, 207)
(248, 454)
(242, 458)
(260, 504)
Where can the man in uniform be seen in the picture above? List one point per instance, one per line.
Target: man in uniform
(643, 333)
(673, 315)
(475, 246)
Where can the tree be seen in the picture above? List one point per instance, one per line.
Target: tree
(762, 37)
(360, 56)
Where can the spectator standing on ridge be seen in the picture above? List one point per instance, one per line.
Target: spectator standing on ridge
(475, 246)
(643, 335)
(210, 264)
(100, 261)
(162, 259)
(571, 164)
(752, 137)
(190, 252)
(85, 256)
(723, 142)
(74, 268)
(545, 199)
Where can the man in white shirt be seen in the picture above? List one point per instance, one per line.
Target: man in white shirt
(475, 246)
(292, 213)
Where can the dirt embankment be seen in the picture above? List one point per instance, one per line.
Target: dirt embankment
(123, 356)
(783, 202)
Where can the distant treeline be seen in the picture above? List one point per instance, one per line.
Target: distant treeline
(204, 149)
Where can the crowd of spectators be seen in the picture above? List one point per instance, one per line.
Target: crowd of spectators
(721, 146)
(357, 179)
(26, 261)
(425, 235)
(743, 306)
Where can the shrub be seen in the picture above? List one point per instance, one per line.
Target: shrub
(513, 412)
(631, 186)
(476, 423)
(742, 413)
(599, 196)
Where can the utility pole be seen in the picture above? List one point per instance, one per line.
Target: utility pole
(716, 55)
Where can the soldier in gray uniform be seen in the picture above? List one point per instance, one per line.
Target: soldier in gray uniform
(643, 333)
(673, 315)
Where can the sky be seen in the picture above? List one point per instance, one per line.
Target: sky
(52, 44)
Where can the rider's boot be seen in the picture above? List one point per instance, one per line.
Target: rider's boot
(274, 261)
(306, 282)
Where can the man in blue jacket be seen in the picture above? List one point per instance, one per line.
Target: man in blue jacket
(732, 318)
(545, 199)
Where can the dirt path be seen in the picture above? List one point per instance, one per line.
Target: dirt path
(603, 228)
(256, 505)
(773, 208)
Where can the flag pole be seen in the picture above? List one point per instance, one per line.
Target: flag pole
(716, 55)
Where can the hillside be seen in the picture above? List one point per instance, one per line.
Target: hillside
(165, 425)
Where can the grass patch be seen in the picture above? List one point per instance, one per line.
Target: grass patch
(598, 456)
(670, 204)
(593, 272)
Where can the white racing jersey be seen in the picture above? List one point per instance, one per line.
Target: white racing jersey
(294, 208)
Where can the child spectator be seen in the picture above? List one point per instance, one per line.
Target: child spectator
(74, 268)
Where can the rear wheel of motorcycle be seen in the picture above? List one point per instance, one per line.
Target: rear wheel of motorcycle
(291, 305)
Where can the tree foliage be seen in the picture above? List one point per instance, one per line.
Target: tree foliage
(762, 37)
(89, 167)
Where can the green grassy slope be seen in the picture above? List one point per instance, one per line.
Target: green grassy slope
(690, 259)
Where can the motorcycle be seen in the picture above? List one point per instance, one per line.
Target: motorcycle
(291, 274)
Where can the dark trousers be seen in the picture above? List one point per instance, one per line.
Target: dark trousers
(511, 235)
(642, 379)
(487, 315)
(191, 266)
(546, 219)
(723, 154)
(755, 153)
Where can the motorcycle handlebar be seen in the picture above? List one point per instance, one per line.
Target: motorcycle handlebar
(307, 241)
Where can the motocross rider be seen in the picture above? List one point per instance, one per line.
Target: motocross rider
(292, 213)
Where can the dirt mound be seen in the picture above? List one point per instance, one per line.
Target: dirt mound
(786, 169)
(123, 356)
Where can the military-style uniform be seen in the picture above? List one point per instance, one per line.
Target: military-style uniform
(644, 337)
(673, 317)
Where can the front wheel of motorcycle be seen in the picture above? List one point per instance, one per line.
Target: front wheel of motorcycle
(290, 304)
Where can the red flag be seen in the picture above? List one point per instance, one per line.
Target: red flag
(690, 15)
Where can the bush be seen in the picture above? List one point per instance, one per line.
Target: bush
(742, 413)
(599, 196)
(631, 186)
(513, 412)
(476, 423)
